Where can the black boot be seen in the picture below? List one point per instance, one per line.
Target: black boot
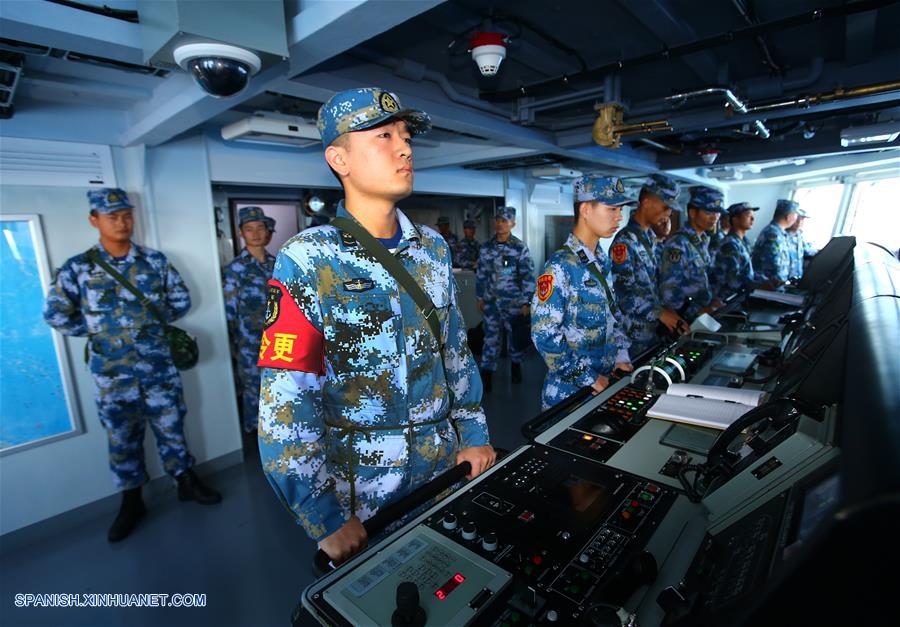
(486, 376)
(516, 372)
(130, 513)
(190, 488)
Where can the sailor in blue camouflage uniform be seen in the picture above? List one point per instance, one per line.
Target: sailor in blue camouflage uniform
(798, 247)
(359, 404)
(466, 255)
(443, 225)
(732, 270)
(683, 280)
(771, 253)
(716, 237)
(661, 232)
(128, 356)
(634, 266)
(573, 323)
(244, 286)
(504, 283)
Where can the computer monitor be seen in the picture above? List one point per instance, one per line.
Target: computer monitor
(825, 264)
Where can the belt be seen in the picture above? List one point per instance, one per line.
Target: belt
(344, 429)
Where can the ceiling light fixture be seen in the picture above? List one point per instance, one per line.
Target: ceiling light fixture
(872, 134)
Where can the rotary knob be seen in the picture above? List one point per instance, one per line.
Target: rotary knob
(469, 531)
(584, 558)
(449, 522)
(489, 542)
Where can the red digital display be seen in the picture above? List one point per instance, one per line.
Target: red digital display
(444, 591)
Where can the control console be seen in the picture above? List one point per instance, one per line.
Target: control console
(543, 538)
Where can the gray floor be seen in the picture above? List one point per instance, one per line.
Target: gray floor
(246, 554)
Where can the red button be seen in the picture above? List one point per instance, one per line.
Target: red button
(652, 488)
(635, 504)
(526, 516)
(537, 559)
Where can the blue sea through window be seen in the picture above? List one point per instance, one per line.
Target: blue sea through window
(33, 401)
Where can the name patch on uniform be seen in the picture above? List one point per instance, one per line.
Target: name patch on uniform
(544, 287)
(619, 253)
(674, 255)
(359, 285)
(289, 341)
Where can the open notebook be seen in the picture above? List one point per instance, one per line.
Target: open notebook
(704, 405)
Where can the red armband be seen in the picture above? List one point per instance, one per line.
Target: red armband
(289, 341)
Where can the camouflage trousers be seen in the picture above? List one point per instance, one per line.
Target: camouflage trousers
(642, 336)
(556, 390)
(497, 320)
(125, 403)
(375, 465)
(249, 376)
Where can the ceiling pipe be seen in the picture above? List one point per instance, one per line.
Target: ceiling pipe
(767, 58)
(566, 99)
(831, 96)
(414, 71)
(729, 95)
(736, 103)
(755, 89)
(807, 17)
(761, 129)
(664, 147)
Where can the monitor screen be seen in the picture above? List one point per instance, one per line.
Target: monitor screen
(817, 504)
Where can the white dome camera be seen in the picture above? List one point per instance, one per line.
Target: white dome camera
(488, 51)
(219, 69)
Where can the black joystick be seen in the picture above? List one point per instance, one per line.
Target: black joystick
(408, 613)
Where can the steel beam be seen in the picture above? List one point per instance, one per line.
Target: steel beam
(66, 28)
(451, 116)
(658, 16)
(321, 30)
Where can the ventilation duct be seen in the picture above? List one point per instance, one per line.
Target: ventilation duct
(55, 164)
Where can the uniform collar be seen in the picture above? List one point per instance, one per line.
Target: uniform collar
(409, 232)
(133, 253)
(246, 254)
(634, 226)
(691, 232)
(584, 254)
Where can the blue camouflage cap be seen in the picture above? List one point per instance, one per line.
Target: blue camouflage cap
(505, 213)
(666, 188)
(251, 214)
(108, 200)
(740, 207)
(443, 220)
(785, 206)
(468, 224)
(365, 107)
(610, 190)
(707, 198)
(270, 223)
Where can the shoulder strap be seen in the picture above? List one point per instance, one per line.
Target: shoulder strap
(393, 265)
(95, 258)
(613, 305)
